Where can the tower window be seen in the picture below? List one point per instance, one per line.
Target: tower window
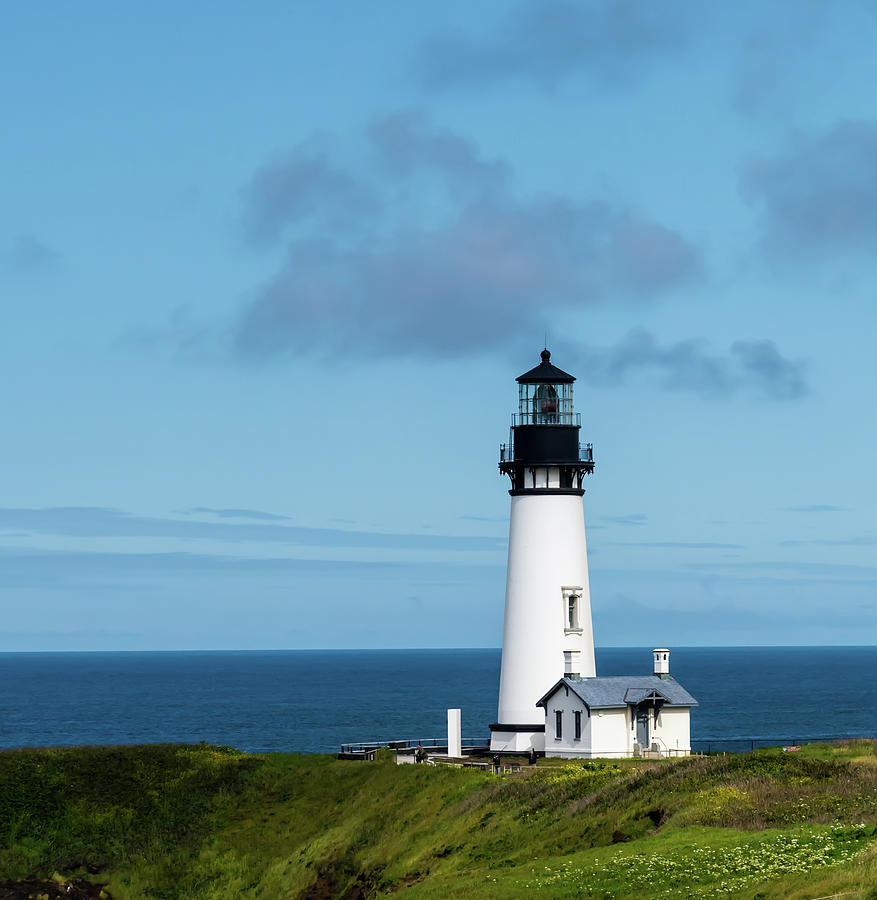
(571, 664)
(558, 724)
(572, 608)
(572, 612)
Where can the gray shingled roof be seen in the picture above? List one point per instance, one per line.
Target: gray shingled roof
(622, 690)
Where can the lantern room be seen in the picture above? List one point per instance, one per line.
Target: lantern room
(543, 452)
(545, 395)
(545, 404)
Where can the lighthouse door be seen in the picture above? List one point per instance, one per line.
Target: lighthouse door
(642, 727)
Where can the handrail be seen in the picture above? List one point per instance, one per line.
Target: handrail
(554, 418)
(507, 453)
(408, 744)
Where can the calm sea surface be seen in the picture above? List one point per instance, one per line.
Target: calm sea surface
(313, 701)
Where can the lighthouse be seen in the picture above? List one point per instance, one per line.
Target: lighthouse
(547, 632)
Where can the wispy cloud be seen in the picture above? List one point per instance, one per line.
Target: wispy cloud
(406, 143)
(815, 508)
(609, 43)
(865, 540)
(677, 545)
(62, 569)
(800, 570)
(303, 187)
(634, 519)
(236, 513)
(820, 193)
(755, 366)
(96, 522)
(29, 254)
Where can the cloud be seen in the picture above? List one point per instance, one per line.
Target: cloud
(28, 254)
(820, 193)
(692, 365)
(236, 513)
(866, 540)
(798, 569)
(63, 569)
(406, 144)
(463, 286)
(610, 43)
(629, 519)
(450, 264)
(303, 187)
(95, 522)
(760, 365)
(815, 508)
(677, 545)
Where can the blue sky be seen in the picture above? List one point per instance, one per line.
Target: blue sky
(267, 277)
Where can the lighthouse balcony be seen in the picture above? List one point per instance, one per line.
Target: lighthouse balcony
(585, 457)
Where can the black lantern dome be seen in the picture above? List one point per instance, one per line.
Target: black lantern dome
(544, 454)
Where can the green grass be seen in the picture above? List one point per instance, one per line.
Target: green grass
(206, 823)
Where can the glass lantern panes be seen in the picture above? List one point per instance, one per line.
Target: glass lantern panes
(545, 404)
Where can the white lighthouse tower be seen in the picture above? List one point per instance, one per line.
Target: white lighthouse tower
(547, 633)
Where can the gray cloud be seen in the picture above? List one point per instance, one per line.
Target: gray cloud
(760, 365)
(821, 193)
(28, 254)
(94, 522)
(608, 42)
(463, 286)
(774, 48)
(303, 188)
(692, 365)
(406, 144)
(449, 263)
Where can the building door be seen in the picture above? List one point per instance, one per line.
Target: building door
(642, 727)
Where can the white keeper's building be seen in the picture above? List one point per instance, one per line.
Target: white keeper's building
(550, 697)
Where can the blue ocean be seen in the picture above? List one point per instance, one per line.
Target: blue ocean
(313, 701)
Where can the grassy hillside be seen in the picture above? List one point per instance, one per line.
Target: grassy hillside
(206, 822)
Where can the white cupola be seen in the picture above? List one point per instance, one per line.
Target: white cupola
(662, 661)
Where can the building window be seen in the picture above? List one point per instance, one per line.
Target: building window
(558, 724)
(577, 715)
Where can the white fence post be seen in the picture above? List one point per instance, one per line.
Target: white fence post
(455, 733)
